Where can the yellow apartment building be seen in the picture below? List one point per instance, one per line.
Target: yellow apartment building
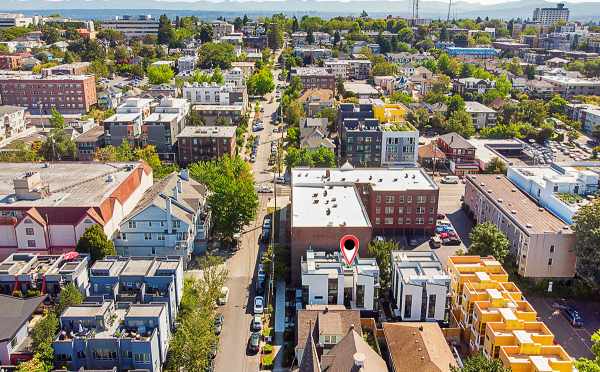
(496, 319)
(389, 112)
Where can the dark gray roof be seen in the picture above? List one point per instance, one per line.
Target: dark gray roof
(456, 141)
(14, 312)
(310, 358)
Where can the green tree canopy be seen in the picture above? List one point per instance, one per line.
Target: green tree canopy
(160, 74)
(462, 123)
(212, 55)
(587, 243)
(233, 199)
(261, 82)
(591, 365)
(382, 251)
(480, 363)
(95, 243)
(322, 157)
(69, 296)
(488, 240)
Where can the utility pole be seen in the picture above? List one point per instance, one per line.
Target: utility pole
(449, 6)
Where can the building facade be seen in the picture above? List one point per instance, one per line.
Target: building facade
(124, 336)
(314, 77)
(215, 94)
(161, 128)
(419, 286)
(12, 120)
(550, 16)
(68, 94)
(171, 220)
(542, 243)
(126, 123)
(482, 115)
(327, 280)
(47, 209)
(205, 143)
(132, 26)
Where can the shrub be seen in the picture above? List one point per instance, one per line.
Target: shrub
(267, 349)
(267, 361)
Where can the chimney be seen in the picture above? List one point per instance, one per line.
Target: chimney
(175, 193)
(179, 186)
(184, 174)
(169, 218)
(327, 173)
(359, 360)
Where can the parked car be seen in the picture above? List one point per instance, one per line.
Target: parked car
(253, 158)
(260, 288)
(213, 350)
(450, 179)
(218, 324)
(280, 180)
(254, 342)
(224, 296)
(435, 242)
(257, 323)
(267, 223)
(573, 316)
(265, 189)
(259, 303)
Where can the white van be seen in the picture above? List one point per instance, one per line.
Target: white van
(450, 179)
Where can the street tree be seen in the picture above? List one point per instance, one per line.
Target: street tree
(58, 144)
(69, 296)
(233, 199)
(495, 166)
(382, 251)
(488, 240)
(591, 365)
(205, 34)
(480, 363)
(261, 82)
(586, 225)
(212, 55)
(95, 243)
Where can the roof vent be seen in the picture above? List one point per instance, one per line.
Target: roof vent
(482, 184)
(328, 211)
(315, 195)
(500, 200)
(540, 209)
(489, 191)
(110, 178)
(334, 206)
(514, 190)
(498, 177)
(513, 211)
(370, 178)
(316, 201)
(381, 180)
(529, 226)
(325, 193)
(395, 180)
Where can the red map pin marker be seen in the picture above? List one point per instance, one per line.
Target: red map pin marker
(349, 248)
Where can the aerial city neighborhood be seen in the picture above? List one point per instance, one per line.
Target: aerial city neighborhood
(298, 193)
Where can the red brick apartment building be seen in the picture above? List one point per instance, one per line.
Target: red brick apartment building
(366, 202)
(12, 61)
(205, 143)
(69, 94)
(459, 152)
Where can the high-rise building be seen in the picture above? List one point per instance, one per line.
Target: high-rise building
(549, 16)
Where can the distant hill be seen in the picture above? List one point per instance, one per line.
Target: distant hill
(428, 9)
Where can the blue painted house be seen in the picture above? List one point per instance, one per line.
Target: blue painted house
(104, 335)
(139, 280)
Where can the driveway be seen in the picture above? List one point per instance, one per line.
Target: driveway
(449, 203)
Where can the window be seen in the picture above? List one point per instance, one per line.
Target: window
(549, 262)
(421, 199)
(407, 221)
(332, 291)
(431, 306)
(400, 210)
(407, 306)
(401, 199)
(420, 210)
(409, 198)
(430, 221)
(31, 243)
(160, 236)
(400, 220)
(123, 236)
(552, 249)
(147, 236)
(419, 220)
(389, 210)
(29, 231)
(149, 223)
(389, 221)
(390, 199)
(28, 221)
(162, 223)
(13, 343)
(360, 295)
(176, 224)
(132, 224)
(377, 221)
(378, 199)
(377, 210)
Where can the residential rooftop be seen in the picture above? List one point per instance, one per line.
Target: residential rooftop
(216, 131)
(360, 88)
(310, 71)
(517, 206)
(332, 264)
(419, 266)
(474, 106)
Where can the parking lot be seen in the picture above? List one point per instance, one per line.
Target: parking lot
(575, 340)
(449, 203)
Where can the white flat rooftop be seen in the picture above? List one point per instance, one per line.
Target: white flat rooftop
(342, 202)
(381, 179)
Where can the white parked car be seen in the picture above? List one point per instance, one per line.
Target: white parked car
(259, 305)
(450, 179)
(224, 296)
